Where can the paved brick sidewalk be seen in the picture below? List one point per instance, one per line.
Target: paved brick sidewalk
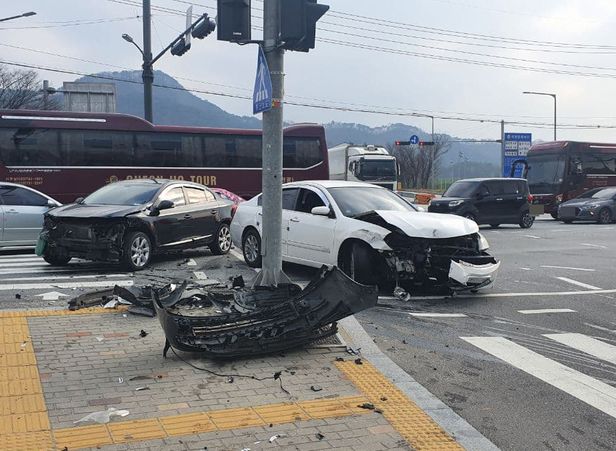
(55, 368)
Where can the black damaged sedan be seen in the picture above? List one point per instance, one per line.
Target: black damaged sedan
(129, 221)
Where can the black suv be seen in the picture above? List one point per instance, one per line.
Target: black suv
(488, 201)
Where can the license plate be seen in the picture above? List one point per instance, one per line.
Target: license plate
(536, 210)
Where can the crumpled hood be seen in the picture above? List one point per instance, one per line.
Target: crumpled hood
(429, 225)
(94, 211)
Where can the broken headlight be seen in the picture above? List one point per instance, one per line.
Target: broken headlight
(455, 203)
(483, 243)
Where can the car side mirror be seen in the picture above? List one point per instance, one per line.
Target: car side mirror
(79, 200)
(164, 205)
(321, 211)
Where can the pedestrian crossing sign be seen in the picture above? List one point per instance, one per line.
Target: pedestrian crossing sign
(262, 94)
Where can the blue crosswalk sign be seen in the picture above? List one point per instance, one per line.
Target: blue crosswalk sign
(262, 94)
(414, 139)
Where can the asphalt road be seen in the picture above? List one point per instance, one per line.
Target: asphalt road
(529, 362)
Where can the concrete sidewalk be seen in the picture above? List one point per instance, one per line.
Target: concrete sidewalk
(59, 366)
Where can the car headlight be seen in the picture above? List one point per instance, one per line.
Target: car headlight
(483, 243)
(455, 203)
(591, 206)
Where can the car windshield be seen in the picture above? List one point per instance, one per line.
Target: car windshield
(377, 169)
(123, 194)
(601, 193)
(545, 173)
(354, 201)
(461, 189)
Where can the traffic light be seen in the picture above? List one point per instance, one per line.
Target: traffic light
(426, 143)
(403, 143)
(233, 20)
(298, 23)
(180, 47)
(203, 28)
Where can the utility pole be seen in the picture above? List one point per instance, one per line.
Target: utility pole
(45, 94)
(148, 73)
(271, 274)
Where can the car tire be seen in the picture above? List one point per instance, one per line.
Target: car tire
(251, 248)
(470, 216)
(222, 241)
(137, 251)
(494, 226)
(526, 220)
(554, 215)
(567, 221)
(357, 264)
(55, 259)
(604, 216)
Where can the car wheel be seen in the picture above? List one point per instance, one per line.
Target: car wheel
(137, 251)
(470, 216)
(56, 259)
(356, 264)
(251, 248)
(526, 220)
(604, 216)
(554, 215)
(567, 221)
(494, 226)
(222, 242)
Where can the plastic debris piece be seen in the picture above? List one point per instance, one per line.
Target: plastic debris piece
(339, 359)
(366, 405)
(319, 436)
(358, 362)
(143, 333)
(24, 344)
(123, 301)
(402, 294)
(140, 378)
(120, 380)
(277, 375)
(142, 388)
(316, 388)
(273, 438)
(377, 410)
(17, 296)
(100, 338)
(230, 380)
(124, 315)
(111, 304)
(103, 416)
(383, 398)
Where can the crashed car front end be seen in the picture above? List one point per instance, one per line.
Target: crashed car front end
(431, 251)
(459, 263)
(87, 238)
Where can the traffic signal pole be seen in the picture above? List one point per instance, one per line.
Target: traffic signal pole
(271, 245)
(147, 74)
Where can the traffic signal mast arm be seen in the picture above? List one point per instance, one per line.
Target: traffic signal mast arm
(203, 26)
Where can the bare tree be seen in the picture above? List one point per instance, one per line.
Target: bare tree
(21, 89)
(416, 163)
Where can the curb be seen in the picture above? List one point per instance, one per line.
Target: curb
(465, 434)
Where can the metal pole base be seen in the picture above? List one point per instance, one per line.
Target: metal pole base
(269, 278)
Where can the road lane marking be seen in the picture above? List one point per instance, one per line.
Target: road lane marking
(200, 275)
(533, 236)
(589, 345)
(605, 329)
(49, 270)
(599, 246)
(525, 269)
(546, 310)
(90, 276)
(46, 286)
(568, 267)
(585, 388)
(579, 284)
(439, 315)
(236, 254)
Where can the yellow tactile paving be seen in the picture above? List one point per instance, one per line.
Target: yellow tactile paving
(135, 431)
(24, 423)
(83, 437)
(187, 424)
(16, 314)
(421, 432)
(281, 413)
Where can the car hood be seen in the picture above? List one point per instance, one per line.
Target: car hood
(582, 202)
(94, 211)
(425, 225)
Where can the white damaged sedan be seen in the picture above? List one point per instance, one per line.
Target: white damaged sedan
(373, 235)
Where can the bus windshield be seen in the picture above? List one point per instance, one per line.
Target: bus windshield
(545, 173)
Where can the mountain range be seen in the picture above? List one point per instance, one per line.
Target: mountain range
(174, 105)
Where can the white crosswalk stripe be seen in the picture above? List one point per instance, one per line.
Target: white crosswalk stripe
(592, 391)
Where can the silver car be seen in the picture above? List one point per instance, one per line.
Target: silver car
(21, 214)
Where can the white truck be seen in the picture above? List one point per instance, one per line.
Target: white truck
(369, 163)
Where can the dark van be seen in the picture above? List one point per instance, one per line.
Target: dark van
(488, 201)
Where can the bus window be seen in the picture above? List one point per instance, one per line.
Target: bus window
(29, 147)
(192, 152)
(598, 164)
(248, 152)
(92, 148)
(157, 150)
(215, 151)
(301, 153)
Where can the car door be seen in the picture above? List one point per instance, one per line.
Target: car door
(171, 224)
(514, 199)
(310, 237)
(202, 222)
(23, 215)
(485, 203)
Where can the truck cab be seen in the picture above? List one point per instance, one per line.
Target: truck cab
(368, 163)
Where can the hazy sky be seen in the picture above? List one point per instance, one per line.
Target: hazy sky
(384, 59)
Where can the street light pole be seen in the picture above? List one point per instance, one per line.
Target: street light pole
(28, 14)
(546, 94)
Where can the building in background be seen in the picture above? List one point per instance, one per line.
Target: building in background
(89, 97)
